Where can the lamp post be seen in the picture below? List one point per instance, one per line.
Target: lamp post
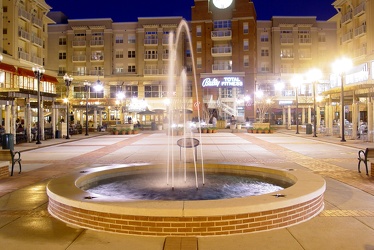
(341, 66)
(314, 75)
(296, 80)
(86, 89)
(38, 73)
(68, 80)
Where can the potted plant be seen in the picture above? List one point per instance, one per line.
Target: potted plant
(121, 131)
(114, 131)
(238, 126)
(204, 130)
(250, 130)
(127, 131)
(214, 129)
(135, 131)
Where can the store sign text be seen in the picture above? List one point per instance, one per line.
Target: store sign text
(226, 82)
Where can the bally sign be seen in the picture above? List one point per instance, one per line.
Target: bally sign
(226, 82)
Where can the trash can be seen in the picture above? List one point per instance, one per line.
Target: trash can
(58, 134)
(309, 129)
(7, 141)
(153, 126)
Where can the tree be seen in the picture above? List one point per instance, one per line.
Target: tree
(263, 103)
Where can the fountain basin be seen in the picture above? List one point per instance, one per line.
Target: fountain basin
(293, 205)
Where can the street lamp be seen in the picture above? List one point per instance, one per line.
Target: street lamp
(314, 75)
(341, 66)
(296, 80)
(38, 73)
(68, 80)
(86, 89)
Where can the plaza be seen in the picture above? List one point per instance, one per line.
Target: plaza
(347, 221)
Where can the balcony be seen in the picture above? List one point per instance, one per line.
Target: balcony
(37, 60)
(150, 57)
(359, 10)
(36, 40)
(361, 30)
(221, 68)
(221, 51)
(78, 43)
(97, 58)
(24, 14)
(96, 72)
(305, 41)
(150, 71)
(24, 35)
(287, 56)
(79, 58)
(346, 18)
(221, 35)
(37, 22)
(347, 37)
(97, 43)
(360, 52)
(286, 40)
(150, 42)
(23, 55)
(165, 56)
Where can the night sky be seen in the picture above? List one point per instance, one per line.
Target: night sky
(129, 10)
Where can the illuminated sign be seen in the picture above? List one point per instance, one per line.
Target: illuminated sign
(225, 82)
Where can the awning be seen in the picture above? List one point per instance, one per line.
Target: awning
(8, 67)
(48, 78)
(25, 72)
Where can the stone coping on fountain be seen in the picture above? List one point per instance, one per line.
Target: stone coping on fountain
(295, 204)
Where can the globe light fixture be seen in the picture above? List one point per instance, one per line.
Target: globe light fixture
(222, 4)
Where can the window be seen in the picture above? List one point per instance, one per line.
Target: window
(80, 71)
(264, 38)
(165, 54)
(119, 53)
(222, 24)
(61, 70)
(264, 52)
(245, 28)
(62, 41)
(119, 39)
(152, 90)
(131, 68)
(286, 53)
(245, 44)
(322, 38)
(119, 69)
(131, 54)
(246, 61)
(198, 30)
(62, 55)
(5, 31)
(80, 36)
(305, 53)
(199, 63)
(265, 67)
(188, 53)
(286, 36)
(188, 89)
(304, 36)
(131, 38)
(198, 47)
(150, 54)
(226, 93)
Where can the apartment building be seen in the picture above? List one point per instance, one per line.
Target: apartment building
(24, 45)
(289, 47)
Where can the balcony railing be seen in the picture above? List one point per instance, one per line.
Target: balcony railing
(305, 41)
(360, 9)
(97, 57)
(79, 58)
(221, 51)
(96, 43)
(346, 18)
(360, 52)
(24, 14)
(96, 72)
(36, 40)
(23, 55)
(150, 71)
(37, 22)
(150, 57)
(347, 37)
(286, 40)
(24, 34)
(78, 43)
(217, 35)
(360, 30)
(221, 68)
(37, 60)
(153, 41)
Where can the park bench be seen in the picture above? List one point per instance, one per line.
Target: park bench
(13, 157)
(363, 156)
(188, 143)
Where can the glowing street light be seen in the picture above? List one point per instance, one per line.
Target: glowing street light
(340, 67)
(295, 82)
(314, 75)
(38, 72)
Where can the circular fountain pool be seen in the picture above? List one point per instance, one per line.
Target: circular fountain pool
(300, 200)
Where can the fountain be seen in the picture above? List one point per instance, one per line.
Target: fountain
(298, 197)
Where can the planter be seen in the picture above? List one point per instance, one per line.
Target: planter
(232, 126)
(204, 130)
(239, 126)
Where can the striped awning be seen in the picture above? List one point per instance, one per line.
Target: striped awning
(8, 67)
(25, 72)
(48, 78)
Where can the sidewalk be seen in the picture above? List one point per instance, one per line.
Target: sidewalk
(347, 222)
